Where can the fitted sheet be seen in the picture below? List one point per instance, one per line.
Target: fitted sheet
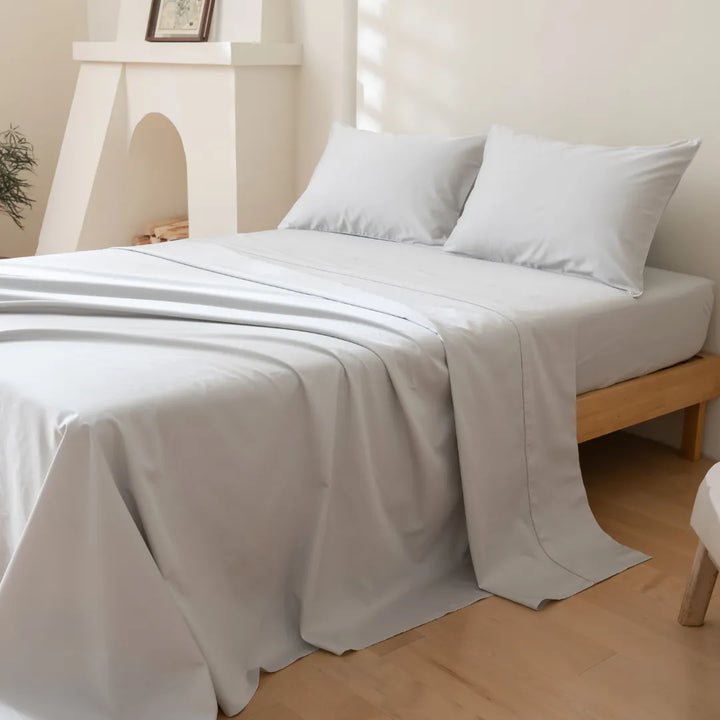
(617, 337)
(623, 340)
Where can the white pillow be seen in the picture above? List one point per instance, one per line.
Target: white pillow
(392, 187)
(579, 209)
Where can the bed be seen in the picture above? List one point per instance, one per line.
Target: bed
(224, 454)
(621, 343)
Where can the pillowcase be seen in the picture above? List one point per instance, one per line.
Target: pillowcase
(583, 210)
(393, 187)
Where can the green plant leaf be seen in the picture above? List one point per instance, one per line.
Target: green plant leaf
(17, 158)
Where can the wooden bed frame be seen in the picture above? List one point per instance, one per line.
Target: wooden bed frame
(686, 386)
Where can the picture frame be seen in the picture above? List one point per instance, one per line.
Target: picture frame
(180, 20)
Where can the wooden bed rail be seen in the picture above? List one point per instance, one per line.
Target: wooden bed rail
(686, 386)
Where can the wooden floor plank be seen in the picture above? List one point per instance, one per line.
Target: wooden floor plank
(613, 652)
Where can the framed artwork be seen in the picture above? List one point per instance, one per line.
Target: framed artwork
(180, 20)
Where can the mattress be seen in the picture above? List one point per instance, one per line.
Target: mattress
(617, 337)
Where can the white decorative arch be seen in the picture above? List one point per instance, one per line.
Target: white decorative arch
(232, 103)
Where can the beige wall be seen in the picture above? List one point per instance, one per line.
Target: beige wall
(37, 79)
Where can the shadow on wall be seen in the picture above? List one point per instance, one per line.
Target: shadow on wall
(158, 169)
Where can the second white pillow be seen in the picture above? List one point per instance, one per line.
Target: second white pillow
(579, 209)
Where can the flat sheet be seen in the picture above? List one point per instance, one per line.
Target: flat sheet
(211, 464)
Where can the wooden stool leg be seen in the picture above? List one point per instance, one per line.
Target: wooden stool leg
(699, 589)
(693, 431)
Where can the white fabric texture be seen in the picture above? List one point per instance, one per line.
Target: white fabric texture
(627, 337)
(617, 337)
(403, 188)
(212, 464)
(706, 513)
(584, 210)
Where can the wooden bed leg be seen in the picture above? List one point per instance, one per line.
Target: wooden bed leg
(693, 427)
(699, 589)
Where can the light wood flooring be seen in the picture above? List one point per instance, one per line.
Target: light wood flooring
(614, 652)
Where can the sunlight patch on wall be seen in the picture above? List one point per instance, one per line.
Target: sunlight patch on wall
(407, 55)
(372, 45)
(372, 48)
(372, 8)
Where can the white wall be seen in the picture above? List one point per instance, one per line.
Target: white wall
(37, 79)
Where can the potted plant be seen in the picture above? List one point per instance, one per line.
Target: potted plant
(16, 160)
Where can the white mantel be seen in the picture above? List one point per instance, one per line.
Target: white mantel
(232, 101)
(236, 54)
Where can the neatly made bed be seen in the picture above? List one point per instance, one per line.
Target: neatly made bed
(218, 455)
(620, 344)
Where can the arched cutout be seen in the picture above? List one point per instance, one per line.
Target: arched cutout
(157, 172)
